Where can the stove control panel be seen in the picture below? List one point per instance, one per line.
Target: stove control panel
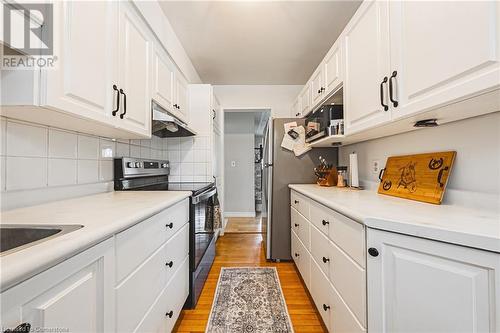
(128, 167)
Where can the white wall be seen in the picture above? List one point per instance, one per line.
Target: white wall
(239, 128)
(277, 97)
(476, 140)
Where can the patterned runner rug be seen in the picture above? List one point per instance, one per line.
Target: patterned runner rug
(249, 299)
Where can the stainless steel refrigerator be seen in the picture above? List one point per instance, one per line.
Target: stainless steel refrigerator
(282, 167)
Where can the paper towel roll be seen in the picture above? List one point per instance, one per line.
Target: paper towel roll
(353, 166)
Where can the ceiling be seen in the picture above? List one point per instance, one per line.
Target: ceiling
(257, 42)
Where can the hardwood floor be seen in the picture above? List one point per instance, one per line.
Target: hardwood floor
(244, 225)
(246, 250)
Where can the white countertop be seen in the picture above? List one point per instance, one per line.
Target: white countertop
(102, 216)
(466, 226)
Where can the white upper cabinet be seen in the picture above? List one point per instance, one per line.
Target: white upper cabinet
(305, 100)
(332, 68)
(135, 57)
(86, 72)
(318, 86)
(163, 78)
(419, 285)
(295, 111)
(442, 52)
(181, 97)
(366, 47)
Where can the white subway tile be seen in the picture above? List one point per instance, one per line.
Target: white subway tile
(164, 142)
(175, 169)
(122, 149)
(187, 143)
(200, 156)
(145, 152)
(200, 169)
(105, 171)
(26, 140)
(135, 142)
(25, 173)
(173, 178)
(156, 142)
(135, 151)
(174, 156)
(62, 171)
(107, 149)
(199, 179)
(174, 144)
(62, 144)
(88, 171)
(88, 147)
(156, 154)
(209, 169)
(186, 179)
(127, 141)
(3, 136)
(187, 169)
(146, 143)
(187, 156)
(200, 142)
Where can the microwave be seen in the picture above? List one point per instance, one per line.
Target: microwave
(318, 123)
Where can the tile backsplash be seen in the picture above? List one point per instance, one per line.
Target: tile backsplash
(33, 156)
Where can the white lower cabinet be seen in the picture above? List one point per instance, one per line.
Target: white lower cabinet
(74, 296)
(327, 262)
(420, 285)
(97, 291)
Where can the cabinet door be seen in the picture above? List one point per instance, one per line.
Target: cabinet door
(74, 296)
(135, 47)
(181, 93)
(317, 86)
(163, 79)
(419, 285)
(82, 83)
(295, 111)
(366, 45)
(333, 68)
(305, 100)
(443, 52)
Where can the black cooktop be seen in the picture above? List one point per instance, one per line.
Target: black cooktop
(196, 188)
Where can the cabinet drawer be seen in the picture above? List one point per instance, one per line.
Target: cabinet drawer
(137, 243)
(300, 203)
(172, 298)
(320, 250)
(341, 319)
(350, 281)
(346, 233)
(302, 259)
(300, 226)
(136, 294)
(321, 293)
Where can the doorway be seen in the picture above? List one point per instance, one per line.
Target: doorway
(244, 131)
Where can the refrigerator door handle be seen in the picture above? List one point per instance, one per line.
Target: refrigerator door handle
(268, 165)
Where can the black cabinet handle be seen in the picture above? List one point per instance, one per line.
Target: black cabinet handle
(296, 224)
(296, 254)
(440, 175)
(115, 88)
(297, 114)
(319, 91)
(296, 201)
(391, 89)
(386, 107)
(325, 222)
(322, 89)
(170, 264)
(170, 225)
(124, 104)
(23, 328)
(169, 314)
(326, 307)
(373, 252)
(381, 174)
(325, 259)
(213, 117)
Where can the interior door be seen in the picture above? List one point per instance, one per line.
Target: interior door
(366, 45)
(135, 56)
(442, 51)
(419, 285)
(82, 83)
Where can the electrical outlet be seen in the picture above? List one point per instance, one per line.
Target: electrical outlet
(376, 166)
(233, 164)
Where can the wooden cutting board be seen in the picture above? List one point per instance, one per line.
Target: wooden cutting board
(421, 177)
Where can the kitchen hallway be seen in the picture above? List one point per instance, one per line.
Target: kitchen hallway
(246, 250)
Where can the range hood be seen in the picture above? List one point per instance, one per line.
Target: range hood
(166, 125)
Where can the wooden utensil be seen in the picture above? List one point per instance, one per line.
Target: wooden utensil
(421, 177)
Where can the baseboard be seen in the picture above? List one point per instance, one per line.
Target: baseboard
(239, 214)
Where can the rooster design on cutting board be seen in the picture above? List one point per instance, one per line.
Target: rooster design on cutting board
(407, 179)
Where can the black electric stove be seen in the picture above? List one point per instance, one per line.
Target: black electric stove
(134, 174)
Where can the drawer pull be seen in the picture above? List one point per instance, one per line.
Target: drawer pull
(23, 328)
(326, 307)
(373, 252)
(170, 264)
(170, 225)
(325, 222)
(325, 259)
(296, 225)
(296, 201)
(297, 255)
(169, 314)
